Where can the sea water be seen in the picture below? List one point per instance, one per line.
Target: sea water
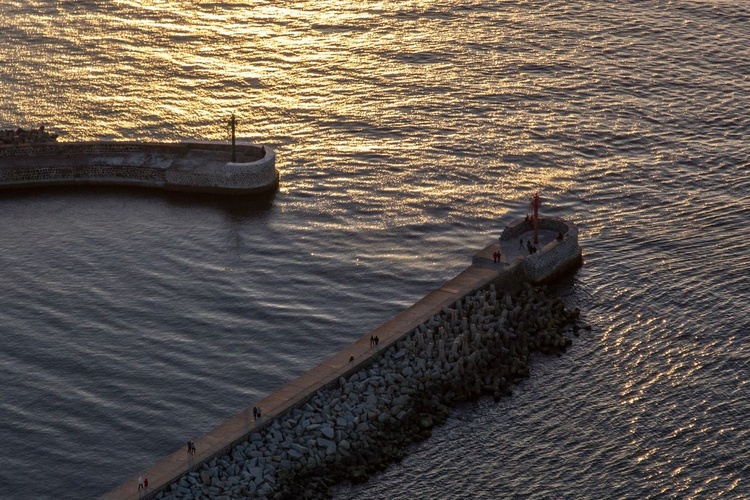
(408, 134)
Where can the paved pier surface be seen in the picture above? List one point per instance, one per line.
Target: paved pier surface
(512, 249)
(235, 430)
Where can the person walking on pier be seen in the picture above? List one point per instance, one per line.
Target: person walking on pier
(140, 483)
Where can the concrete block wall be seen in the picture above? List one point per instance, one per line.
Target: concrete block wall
(72, 173)
(231, 175)
(553, 258)
(98, 163)
(62, 148)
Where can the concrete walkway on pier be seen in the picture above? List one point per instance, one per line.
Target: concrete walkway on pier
(511, 250)
(235, 430)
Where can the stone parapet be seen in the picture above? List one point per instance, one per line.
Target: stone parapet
(557, 250)
(555, 257)
(63, 148)
(516, 228)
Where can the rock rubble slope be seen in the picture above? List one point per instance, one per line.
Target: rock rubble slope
(359, 425)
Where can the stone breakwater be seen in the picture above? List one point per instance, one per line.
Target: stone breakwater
(196, 166)
(359, 424)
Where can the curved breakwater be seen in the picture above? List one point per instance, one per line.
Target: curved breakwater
(197, 166)
(356, 413)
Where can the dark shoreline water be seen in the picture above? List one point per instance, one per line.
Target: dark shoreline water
(407, 137)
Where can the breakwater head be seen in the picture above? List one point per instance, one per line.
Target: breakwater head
(193, 166)
(355, 413)
(557, 253)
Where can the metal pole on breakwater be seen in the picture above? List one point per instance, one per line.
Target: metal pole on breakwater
(233, 123)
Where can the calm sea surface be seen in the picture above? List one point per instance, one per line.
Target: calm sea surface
(408, 134)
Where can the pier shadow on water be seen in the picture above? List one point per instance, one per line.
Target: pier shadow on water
(237, 206)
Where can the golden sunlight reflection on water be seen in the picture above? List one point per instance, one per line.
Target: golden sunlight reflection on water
(314, 77)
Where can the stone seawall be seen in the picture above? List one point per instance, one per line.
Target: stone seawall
(186, 166)
(67, 148)
(554, 258)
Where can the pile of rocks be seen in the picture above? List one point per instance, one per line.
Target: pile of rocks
(23, 136)
(364, 422)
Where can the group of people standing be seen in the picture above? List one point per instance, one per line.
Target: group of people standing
(142, 483)
(529, 246)
(496, 256)
(532, 248)
(374, 341)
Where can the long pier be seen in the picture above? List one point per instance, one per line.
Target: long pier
(505, 264)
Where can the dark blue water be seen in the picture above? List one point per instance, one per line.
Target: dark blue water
(408, 135)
